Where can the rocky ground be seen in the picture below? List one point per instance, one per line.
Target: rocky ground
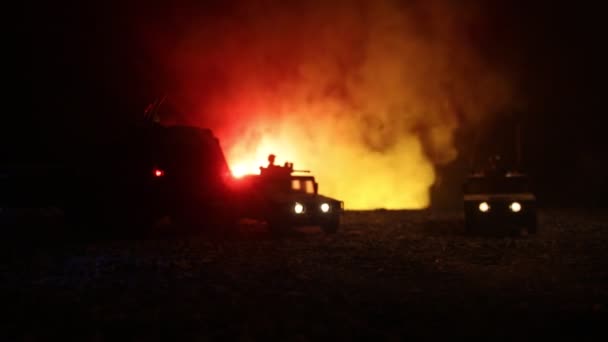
(387, 275)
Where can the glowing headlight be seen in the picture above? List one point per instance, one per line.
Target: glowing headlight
(324, 207)
(484, 207)
(298, 208)
(515, 207)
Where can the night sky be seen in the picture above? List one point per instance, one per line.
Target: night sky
(87, 72)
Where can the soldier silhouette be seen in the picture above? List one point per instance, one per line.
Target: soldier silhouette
(271, 158)
(271, 169)
(276, 170)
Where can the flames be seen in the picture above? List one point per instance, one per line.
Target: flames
(349, 172)
(367, 95)
(246, 159)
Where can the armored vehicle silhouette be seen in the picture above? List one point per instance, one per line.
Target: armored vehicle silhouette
(286, 198)
(495, 197)
(153, 172)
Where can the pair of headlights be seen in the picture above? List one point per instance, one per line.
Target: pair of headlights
(515, 207)
(299, 208)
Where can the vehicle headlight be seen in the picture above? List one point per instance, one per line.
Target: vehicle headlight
(484, 207)
(515, 207)
(325, 207)
(298, 208)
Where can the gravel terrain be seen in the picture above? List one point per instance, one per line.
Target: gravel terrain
(387, 275)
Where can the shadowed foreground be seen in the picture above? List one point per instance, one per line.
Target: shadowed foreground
(387, 275)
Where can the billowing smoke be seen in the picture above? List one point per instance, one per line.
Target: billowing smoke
(366, 94)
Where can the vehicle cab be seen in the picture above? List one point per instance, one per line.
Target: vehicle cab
(493, 199)
(287, 198)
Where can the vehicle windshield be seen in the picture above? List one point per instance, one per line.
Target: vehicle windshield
(304, 185)
(497, 185)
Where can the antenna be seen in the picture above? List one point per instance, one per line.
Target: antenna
(518, 145)
(475, 150)
(150, 113)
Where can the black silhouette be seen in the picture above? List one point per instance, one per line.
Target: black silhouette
(284, 199)
(495, 197)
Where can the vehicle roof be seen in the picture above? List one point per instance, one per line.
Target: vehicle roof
(510, 174)
(190, 130)
(308, 177)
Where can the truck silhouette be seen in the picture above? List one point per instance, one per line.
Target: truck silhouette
(287, 198)
(153, 172)
(495, 196)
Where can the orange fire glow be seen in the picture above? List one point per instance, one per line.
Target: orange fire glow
(367, 95)
(244, 159)
(364, 182)
(343, 168)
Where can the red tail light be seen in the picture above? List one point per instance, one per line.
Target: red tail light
(158, 172)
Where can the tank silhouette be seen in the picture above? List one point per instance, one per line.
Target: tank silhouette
(149, 171)
(152, 172)
(287, 198)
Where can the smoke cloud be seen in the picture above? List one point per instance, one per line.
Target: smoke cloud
(366, 94)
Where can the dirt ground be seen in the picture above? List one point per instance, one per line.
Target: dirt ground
(387, 275)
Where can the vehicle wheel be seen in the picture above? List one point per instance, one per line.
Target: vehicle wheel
(278, 226)
(223, 225)
(84, 220)
(185, 221)
(470, 227)
(532, 224)
(136, 223)
(194, 220)
(331, 226)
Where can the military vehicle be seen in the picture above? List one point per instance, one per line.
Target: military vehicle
(496, 197)
(145, 172)
(180, 172)
(287, 198)
(152, 172)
